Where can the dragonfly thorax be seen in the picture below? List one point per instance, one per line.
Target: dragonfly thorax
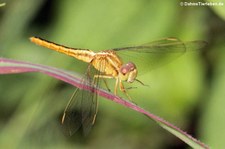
(128, 72)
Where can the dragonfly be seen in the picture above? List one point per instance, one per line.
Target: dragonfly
(109, 64)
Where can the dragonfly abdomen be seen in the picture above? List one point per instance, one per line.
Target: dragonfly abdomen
(80, 54)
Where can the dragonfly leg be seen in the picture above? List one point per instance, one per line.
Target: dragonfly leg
(124, 90)
(116, 86)
(104, 77)
(118, 81)
(106, 85)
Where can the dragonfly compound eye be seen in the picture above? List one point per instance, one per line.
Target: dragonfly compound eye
(129, 72)
(128, 67)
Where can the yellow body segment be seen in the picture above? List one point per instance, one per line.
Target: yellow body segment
(80, 54)
(107, 62)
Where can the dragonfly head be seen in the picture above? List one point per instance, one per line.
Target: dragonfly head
(128, 72)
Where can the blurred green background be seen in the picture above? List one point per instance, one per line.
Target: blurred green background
(189, 92)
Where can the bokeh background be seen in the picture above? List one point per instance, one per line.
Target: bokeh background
(189, 92)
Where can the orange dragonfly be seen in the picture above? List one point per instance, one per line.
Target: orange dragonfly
(107, 64)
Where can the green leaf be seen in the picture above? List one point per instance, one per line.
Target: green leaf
(2, 4)
(218, 8)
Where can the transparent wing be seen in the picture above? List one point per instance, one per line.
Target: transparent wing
(72, 117)
(82, 108)
(90, 101)
(154, 54)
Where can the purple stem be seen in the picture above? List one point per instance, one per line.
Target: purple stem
(12, 66)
